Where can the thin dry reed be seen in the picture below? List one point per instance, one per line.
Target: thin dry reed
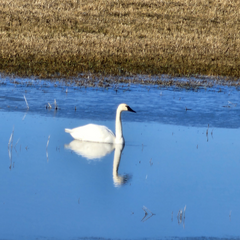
(61, 38)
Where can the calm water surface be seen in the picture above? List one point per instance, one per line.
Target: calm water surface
(177, 176)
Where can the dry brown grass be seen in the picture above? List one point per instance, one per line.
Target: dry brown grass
(52, 38)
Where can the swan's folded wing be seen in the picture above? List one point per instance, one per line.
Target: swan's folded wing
(93, 133)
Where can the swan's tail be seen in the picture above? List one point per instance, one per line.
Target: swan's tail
(67, 130)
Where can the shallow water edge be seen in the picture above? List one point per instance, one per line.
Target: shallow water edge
(177, 175)
(207, 107)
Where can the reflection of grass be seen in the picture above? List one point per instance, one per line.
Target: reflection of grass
(65, 37)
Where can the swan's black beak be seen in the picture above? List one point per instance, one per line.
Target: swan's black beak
(130, 110)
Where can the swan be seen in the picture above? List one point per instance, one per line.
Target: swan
(99, 133)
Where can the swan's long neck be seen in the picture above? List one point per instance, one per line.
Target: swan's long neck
(118, 127)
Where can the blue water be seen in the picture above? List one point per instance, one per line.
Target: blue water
(217, 106)
(171, 159)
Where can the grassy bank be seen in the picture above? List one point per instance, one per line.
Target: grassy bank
(53, 38)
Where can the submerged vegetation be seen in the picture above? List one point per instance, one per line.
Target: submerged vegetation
(62, 38)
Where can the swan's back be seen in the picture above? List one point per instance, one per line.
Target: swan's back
(92, 133)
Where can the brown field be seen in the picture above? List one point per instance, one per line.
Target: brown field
(62, 38)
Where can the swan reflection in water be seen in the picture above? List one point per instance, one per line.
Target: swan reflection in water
(95, 151)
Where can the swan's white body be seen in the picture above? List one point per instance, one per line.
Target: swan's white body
(92, 133)
(99, 133)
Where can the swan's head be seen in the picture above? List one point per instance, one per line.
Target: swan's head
(125, 107)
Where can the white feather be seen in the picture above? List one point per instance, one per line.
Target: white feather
(99, 133)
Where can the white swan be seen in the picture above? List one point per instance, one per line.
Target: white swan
(98, 133)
